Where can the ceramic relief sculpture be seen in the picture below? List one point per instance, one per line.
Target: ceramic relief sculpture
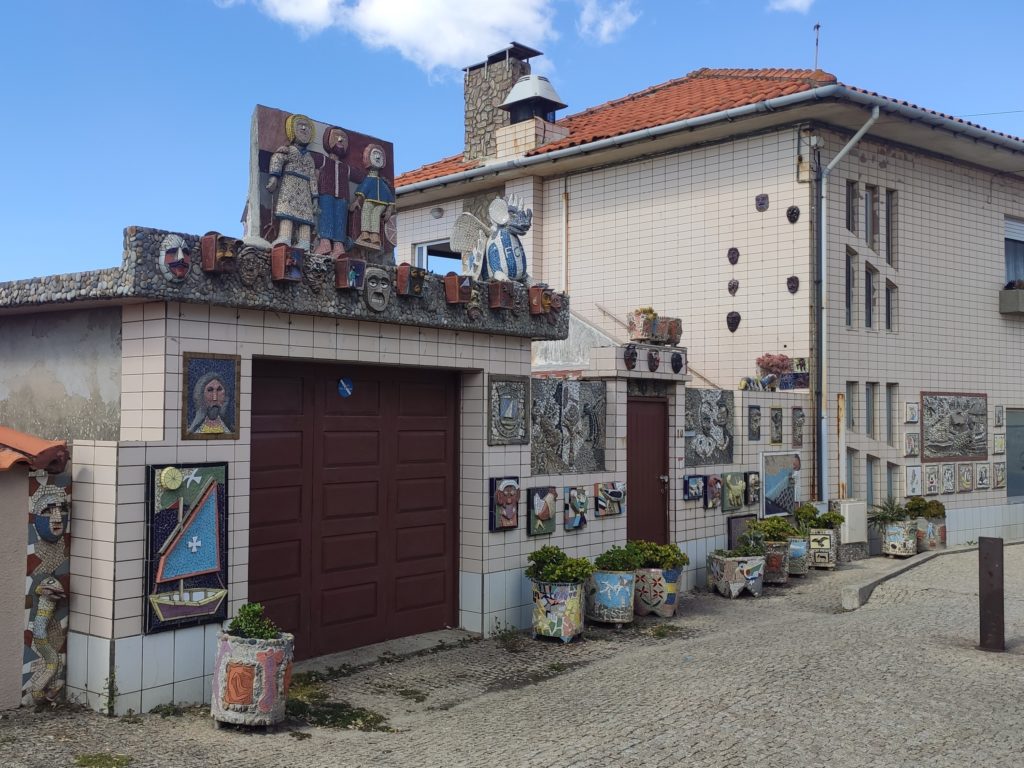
(999, 443)
(679, 362)
(504, 503)
(210, 396)
(954, 426)
(732, 321)
(186, 546)
(798, 427)
(47, 586)
(731, 576)
(823, 547)
(733, 255)
(646, 326)
(610, 596)
(218, 253)
(983, 477)
(506, 410)
(475, 306)
(761, 203)
(653, 360)
(948, 478)
(775, 416)
(753, 423)
(912, 444)
(175, 258)
(767, 383)
(609, 499)
(251, 679)
(709, 427)
(350, 272)
(333, 194)
(293, 182)
(999, 474)
(629, 356)
(377, 288)
(793, 214)
(734, 286)
(964, 478)
(776, 562)
(913, 480)
(793, 284)
(999, 416)
(912, 413)
(557, 610)
(286, 263)
(657, 591)
(932, 484)
(733, 491)
(574, 515)
(780, 473)
(568, 426)
(543, 510)
(409, 280)
(713, 492)
(753, 480)
(931, 534)
(693, 488)
(494, 252)
(373, 202)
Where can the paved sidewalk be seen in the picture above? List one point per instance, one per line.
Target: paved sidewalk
(787, 679)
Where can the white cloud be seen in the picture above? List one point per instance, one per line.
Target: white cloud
(605, 22)
(800, 6)
(431, 33)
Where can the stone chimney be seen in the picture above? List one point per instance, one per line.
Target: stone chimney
(485, 86)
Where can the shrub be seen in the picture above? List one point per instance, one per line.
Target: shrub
(653, 555)
(777, 364)
(573, 570)
(916, 506)
(550, 563)
(828, 520)
(805, 515)
(772, 528)
(617, 559)
(889, 511)
(544, 559)
(935, 508)
(251, 622)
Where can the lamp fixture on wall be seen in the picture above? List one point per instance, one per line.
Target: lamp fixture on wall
(437, 212)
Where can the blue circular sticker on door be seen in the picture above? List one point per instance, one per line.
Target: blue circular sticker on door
(345, 387)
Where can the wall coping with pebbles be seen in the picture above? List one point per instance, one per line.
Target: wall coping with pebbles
(140, 278)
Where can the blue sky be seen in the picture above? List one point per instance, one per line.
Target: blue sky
(125, 112)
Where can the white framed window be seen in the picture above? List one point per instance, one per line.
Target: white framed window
(1014, 249)
(437, 256)
(871, 216)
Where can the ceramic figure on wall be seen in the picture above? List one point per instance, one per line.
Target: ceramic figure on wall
(629, 356)
(609, 499)
(754, 423)
(983, 477)
(798, 427)
(709, 427)
(913, 413)
(733, 255)
(210, 401)
(776, 426)
(350, 272)
(543, 511)
(955, 426)
(732, 321)
(693, 487)
(734, 491)
(186, 546)
(374, 200)
(506, 412)
(761, 202)
(293, 182)
(678, 361)
(999, 474)
(494, 252)
(931, 479)
(914, 481)
(753, 480)
(965, 478)
(504, 503)
(912, 444)
(999, 443)
(713, 492)
(377, 288)
(568, 431)
(793, 214)
(948, 478)
(219, 254)
(576, 503)
(793, 284)
(653, 360)
(734, 286)
(999, 416)
(781, 476)
(409, 280)
(47, 588)
(175, 259)
(286, 263)
(333, 189)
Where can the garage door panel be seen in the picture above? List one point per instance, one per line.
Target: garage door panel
(417, 446)
(427, 590)
(347, 551)
(349, 449)
(421, 541)
(365, 399)
(285, 611)
(421, 494)
(422, 399)
(278, 396)
(275, 561)
(344, 501)
(350, 603)
(277, 450)
(275, 506)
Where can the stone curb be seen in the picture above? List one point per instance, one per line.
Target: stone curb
(856, 596)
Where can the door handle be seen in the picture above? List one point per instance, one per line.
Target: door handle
(663, 478)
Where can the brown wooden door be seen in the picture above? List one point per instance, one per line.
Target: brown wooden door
(376, 537)
(646, 465)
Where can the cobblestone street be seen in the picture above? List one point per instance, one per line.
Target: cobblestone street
(788, 679)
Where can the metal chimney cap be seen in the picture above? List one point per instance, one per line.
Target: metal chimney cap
(533, 87)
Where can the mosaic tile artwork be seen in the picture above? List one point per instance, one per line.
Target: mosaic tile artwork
(543, 510)
(999, 474)
(693, 487)
(504, 494)
(999, 416)
(251, 679)
(493, 251)
(568, 429)
(733, 491)
(983, 477)
(912, 444)
(709, 427)
(610, 596)
(776, 426)
(713, 492)
(948, 478)
(954, 426)
(913, 413)
(575, 509)
(557, 610)
(730, 576)
(780, 473)
(175, 258)
(609, 499)
(932, 482)
(914, 480)
(964, 478)
(186, 546)
(798, 427)
(753, 488)
(506, 413)
(754, 423)
(47, 584)
(999, 443)
(657, 591)
(210, 396)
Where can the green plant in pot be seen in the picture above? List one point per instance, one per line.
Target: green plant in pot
(659, 577)
(930, 515)
(774, 534)
(252, 670)
(823, 539)
(557, 592)
(897, 530)
(610, 589)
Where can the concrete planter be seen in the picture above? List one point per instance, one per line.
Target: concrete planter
(931, 533)
(776, 562)
(1011, 302)
(823, 547)
(900, 539)
(251, 679)
(799, 556)
(731, 575)
(557, 610)
(657, 591)
(610, 597)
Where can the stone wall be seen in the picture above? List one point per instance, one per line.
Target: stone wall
(485, 88)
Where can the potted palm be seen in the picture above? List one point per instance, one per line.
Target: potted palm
(930, 516)
(733, 571)
(252, 670)
(659, 577)
(557, 592)
(775, 534)
(610, 589)
(823, 539)
(898, 532)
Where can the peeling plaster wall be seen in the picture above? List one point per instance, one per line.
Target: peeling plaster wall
(13, 519)
(60, 374)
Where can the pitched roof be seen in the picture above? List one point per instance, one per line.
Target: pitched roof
(20, 448)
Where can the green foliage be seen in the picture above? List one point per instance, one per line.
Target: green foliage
(542, 560)
(508, 637)
(550, 563)
(653, 555)
(934, 509)
(646, 311)
(916, 506)
(772, 528)
(889, 511)
(618, 559)
(573, 570)
(251, 622)
(805, 515)
(103, 760)
(829, 520)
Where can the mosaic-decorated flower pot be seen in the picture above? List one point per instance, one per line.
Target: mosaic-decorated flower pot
(776, 562)
(931, 533)
(799, 556)
(640, 326)
(900, 539)
(610, 596)
(251, 679)
(657, 591)
(731, 575)
(557, 610)
(823, 547)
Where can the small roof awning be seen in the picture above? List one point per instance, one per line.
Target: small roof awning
(20, 448)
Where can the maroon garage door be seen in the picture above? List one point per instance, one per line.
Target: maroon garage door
(352, 518)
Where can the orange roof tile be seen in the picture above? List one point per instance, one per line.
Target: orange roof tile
(20, 448)
(445, 167)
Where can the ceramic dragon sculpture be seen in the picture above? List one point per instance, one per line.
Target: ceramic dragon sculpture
(495, 252)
